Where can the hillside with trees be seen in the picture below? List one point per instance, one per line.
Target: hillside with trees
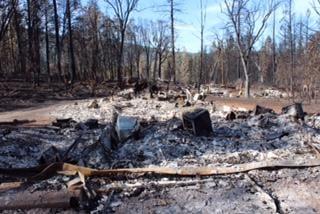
(68, 41)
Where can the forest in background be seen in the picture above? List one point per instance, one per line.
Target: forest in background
(53, 41)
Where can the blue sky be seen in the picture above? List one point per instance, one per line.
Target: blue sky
(188, 20)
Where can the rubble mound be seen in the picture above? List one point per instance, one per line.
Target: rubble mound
(149, 133)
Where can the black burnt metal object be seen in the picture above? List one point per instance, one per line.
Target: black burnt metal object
(198, 121)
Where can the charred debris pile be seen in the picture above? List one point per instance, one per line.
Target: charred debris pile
(133, 152)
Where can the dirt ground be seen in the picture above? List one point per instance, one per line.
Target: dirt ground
(40, 112)
(39, 115)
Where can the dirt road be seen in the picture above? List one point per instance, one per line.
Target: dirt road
(41, 113)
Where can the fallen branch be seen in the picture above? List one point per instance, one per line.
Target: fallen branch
(44, 199)
(9, 186)
(126, 186)
(69, 169)
(16, 122)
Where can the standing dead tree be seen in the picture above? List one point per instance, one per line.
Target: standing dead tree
(19, 30)
(138, 49)
(71, 46)
(122, 10)
(34, 22)
(202, 25)
(57, 37)
(291, 46)
(173, 67)
(161, 42)
(311, 74)
(264, 63)
(147, 47)
(274, 54)
(171, 8)
(252, 17)
(6, 13)
(46, 16)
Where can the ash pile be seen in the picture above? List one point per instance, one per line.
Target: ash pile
(172, 153)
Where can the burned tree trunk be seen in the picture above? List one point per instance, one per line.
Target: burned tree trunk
(34, 40)
(56, 25)
(21, 52)
(47, 44)
(71, 48)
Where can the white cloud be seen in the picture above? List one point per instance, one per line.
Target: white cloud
(301, 6)
(215, 8)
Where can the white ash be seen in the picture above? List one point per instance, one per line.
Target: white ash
(162, 142)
